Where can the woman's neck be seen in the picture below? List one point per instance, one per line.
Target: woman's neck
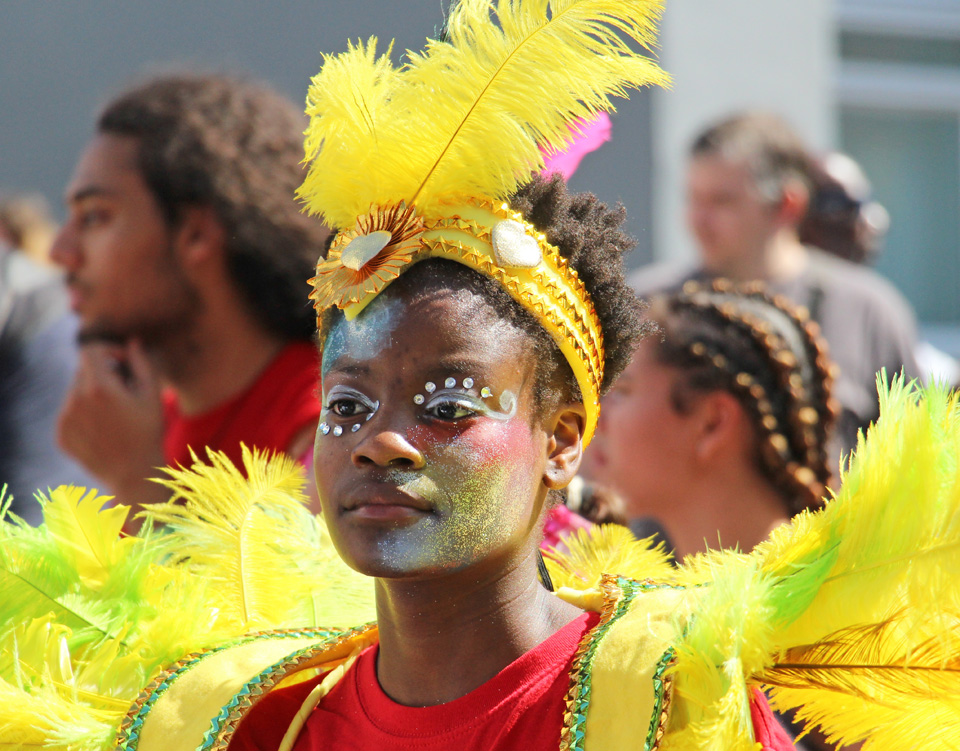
(441, 639)
(738, 514)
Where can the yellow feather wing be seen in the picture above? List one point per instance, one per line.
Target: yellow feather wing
(607, 549)
(251, 536)
(851, 614)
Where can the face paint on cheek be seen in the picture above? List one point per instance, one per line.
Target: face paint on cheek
(473, 482)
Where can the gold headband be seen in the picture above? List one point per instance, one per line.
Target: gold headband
(489, 238)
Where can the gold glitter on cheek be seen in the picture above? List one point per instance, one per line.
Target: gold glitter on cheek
(477, 490)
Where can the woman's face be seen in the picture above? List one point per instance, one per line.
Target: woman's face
(643, 448)
(429, 457)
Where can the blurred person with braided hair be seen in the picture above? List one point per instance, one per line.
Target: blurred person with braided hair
(720, 428)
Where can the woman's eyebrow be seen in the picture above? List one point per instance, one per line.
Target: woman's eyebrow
(351, 369)
(462, 365)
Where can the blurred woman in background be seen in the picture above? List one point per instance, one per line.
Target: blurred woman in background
(720, 428)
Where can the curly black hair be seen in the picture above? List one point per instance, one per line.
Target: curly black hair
(236, 146)
(588, 235)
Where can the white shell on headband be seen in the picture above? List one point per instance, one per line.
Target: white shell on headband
(513, 247)
(363, 249)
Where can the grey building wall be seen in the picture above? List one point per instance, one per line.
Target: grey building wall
(60, 61)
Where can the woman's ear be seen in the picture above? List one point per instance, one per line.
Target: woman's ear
(722, 426)
(565, 446)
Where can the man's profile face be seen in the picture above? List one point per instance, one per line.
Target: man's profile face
(117, 249)
(731, 221)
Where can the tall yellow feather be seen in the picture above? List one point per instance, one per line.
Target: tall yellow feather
(469, 115)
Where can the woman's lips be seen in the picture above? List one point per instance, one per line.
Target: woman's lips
(387, 503)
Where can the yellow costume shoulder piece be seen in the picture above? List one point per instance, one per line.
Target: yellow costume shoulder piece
(416, 162)
(848, 615)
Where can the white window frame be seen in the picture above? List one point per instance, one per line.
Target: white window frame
(903, 87)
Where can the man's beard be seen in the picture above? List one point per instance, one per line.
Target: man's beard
(182, 305)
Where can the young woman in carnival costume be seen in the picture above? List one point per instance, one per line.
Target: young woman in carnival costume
(464, 353)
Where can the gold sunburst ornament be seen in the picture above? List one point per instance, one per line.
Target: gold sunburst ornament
(365, 259)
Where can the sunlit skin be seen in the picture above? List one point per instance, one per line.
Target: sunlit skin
(643, 446)
(741, 233)
(695, 469)
(443, 501)
(118, 250)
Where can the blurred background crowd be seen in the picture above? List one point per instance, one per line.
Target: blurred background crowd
(795, 197)
(814, 147)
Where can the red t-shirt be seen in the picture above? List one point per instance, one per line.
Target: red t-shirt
(281, 403)
(519, 708)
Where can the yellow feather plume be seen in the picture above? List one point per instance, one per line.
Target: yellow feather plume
(250, 534)
(850, 613)
(88, 617)
(468, 116)
(88, 531)
(607, 549)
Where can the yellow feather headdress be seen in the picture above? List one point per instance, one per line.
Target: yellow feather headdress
(417, 162)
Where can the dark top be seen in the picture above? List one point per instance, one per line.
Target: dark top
(38, 354)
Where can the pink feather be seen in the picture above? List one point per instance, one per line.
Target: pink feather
(586, 136)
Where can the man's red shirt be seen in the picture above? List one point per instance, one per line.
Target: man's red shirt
(279, 405)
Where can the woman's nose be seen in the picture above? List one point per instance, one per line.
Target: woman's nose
(387, 448)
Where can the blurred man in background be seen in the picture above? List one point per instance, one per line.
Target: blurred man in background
(747, 192)
(842, 218)
(187, 259)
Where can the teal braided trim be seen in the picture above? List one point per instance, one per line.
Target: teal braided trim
(661, 701)
(224, 724)
(128, 735)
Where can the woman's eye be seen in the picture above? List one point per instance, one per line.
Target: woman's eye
(450, 411)
(91, 218)
(345, 408)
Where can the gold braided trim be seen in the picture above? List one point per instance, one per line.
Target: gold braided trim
(549, 289)
(577, 697)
